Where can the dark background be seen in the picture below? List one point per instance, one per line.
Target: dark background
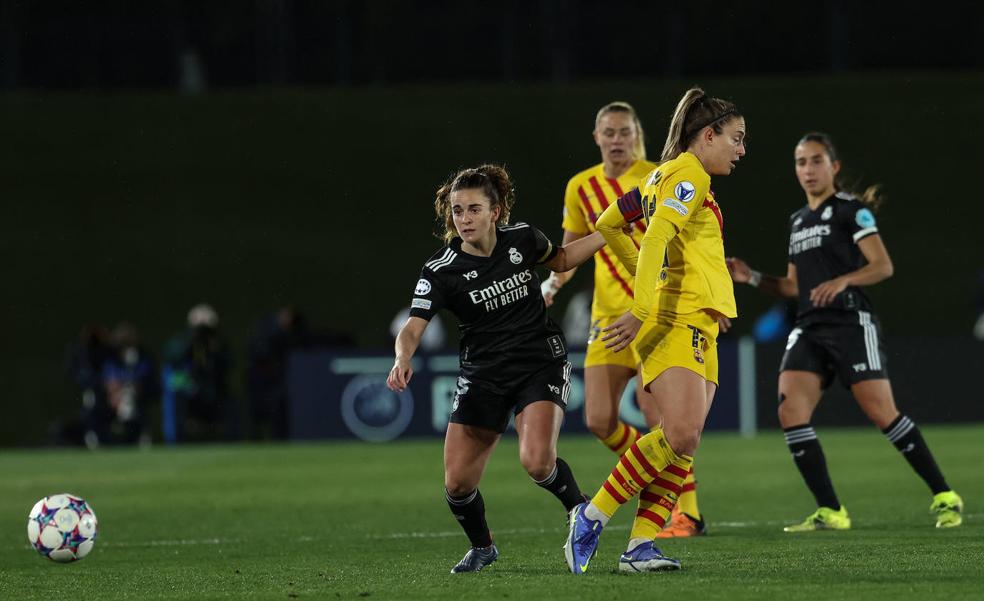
(251, 154)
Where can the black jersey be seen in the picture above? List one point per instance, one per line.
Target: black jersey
(823, 245)
(501, 314)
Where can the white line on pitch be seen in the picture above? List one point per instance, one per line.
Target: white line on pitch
(452, 533)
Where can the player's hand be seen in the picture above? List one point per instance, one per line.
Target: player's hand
(739, 270)
(824, 294)
(549, 289)
(724, 323)
(622, 332)
(400, 375)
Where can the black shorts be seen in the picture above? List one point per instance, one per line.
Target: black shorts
(489, 405)
(852, 351)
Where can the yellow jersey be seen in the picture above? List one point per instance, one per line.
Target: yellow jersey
(587, 196)
(686, 229)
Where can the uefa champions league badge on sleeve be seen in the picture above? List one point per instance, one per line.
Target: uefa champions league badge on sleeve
(423, 287)
(864, 218)
(685, 191)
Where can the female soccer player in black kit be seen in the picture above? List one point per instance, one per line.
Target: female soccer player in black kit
(834, 250)
(513, 357)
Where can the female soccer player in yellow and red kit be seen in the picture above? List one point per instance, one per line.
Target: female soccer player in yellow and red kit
(620, 138)
(834, 251)
(682, 290)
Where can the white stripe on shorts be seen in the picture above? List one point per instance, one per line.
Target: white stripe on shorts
(566, 392)
(870, 340)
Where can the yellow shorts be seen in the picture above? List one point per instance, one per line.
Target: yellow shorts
(689, 340)
(597, 354)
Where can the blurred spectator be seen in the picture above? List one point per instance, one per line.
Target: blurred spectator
(196, 402)
(776, 323)
(86, 356)
(273, 338)
(979, 326)
(130, 379)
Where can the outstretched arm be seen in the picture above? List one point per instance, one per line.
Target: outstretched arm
(785, 287)
(552, 285)
(569, 256)
(407, 342)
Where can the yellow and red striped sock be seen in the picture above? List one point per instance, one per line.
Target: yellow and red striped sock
(657, 500)
(640, 466)
(622, 438)
(688, 497)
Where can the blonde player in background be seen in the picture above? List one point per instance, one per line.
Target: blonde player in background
(620, 138)
(683, 289)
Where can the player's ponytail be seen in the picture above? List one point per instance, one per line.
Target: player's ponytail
(495, 183)
(695, 111)
(639, 148)
(873, 196)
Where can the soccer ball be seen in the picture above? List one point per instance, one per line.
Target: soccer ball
(62, 527)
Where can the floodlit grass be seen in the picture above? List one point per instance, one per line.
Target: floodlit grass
(351, 520)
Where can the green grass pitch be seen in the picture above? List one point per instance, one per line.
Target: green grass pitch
(360, 521)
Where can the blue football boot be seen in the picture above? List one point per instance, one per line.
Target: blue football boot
(645, 557)
(582, 541)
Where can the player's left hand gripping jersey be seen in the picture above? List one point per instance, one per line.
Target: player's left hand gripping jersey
(501, 314)
(680, 268)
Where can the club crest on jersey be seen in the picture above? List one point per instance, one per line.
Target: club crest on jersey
(423, 287)
(685, 191)
(515, 257)
(865, 218)
(827, 213)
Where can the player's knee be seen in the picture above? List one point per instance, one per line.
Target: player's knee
(601, 426)
(790, 414)
(683, 439)
(538, 463)
(459, 485)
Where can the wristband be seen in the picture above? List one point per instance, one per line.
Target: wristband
(551, 285)
(754, 278)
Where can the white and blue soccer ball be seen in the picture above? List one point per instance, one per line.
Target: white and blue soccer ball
(62, 527)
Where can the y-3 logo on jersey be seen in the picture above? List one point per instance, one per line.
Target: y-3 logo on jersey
(471, 275)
